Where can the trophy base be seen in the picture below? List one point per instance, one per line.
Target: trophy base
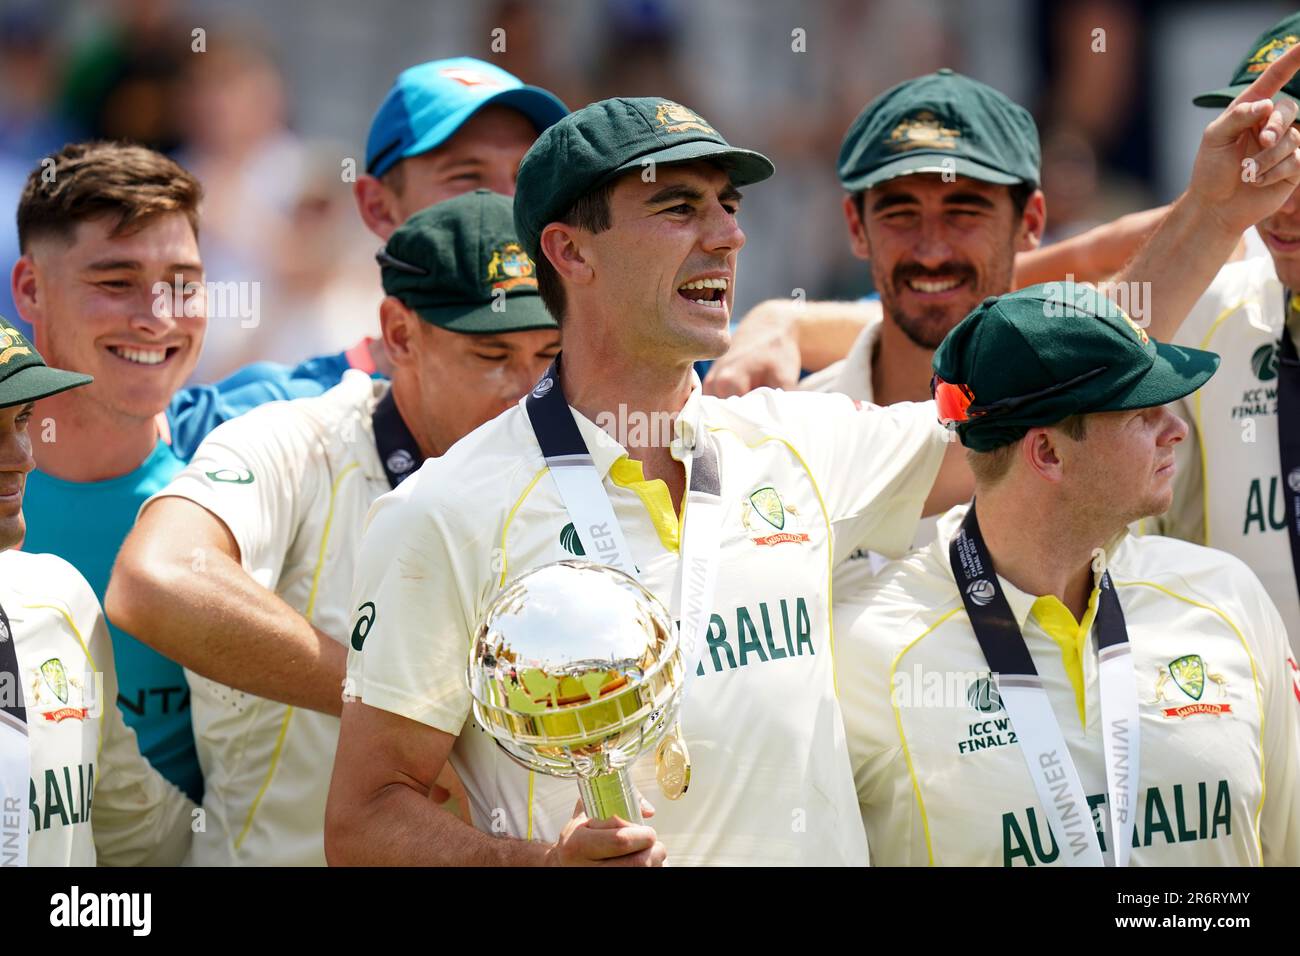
(606, 795)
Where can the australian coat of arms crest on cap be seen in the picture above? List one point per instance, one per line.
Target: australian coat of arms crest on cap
(511, 267)
(1269, 52)
(675, 118)
(923, 131)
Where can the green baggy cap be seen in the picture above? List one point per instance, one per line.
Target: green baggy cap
(459, 266)
(1268, 46)
(1037, 356)
(599, 142)
(24, 376)
(943, 122)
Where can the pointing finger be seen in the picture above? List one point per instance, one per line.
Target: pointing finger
(1268, 83)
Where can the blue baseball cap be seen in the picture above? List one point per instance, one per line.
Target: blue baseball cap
(429, 102)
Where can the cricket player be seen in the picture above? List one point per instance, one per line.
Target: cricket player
(1012, 737)
(629, 208)
(272, 507)
(108, 225)
(74, 789)
(1238, 481)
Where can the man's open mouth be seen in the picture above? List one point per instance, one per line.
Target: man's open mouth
(706, 292)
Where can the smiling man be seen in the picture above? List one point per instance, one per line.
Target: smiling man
(108, 224)
(99, 228)
(275, 502)
(629, 207)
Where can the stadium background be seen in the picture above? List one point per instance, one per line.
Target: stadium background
(280, 99)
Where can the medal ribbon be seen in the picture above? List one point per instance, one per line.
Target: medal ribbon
(15, 753)
(583, 493)
(1056, 781)
(1288, 425)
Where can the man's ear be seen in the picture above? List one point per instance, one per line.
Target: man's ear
(399, 327)
(378, 206)
(857, 228)
(561, 244)
(24, 286)
(1029, 234)
(1039, 451)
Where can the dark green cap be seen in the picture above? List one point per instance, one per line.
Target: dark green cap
(451, 262)
(593, 145)
(944, 122)
(24, 376)
(1039, 355)
(1268, 46)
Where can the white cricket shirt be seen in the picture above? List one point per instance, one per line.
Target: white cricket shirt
(293, 482)
(1228, 490)
(805, 478)
(942, 779)
(851, 376)
(94, 799)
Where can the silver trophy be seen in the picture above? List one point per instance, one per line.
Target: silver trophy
(575, 670)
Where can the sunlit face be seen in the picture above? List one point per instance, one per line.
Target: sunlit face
(1123, 468)
(483, 154)
(108, 306)
(1281, 233)
(665, 270)
(15, 463)
(937, 249)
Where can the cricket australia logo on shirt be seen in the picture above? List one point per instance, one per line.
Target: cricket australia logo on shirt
(64, 695)
(784, 519)
(1189, 675)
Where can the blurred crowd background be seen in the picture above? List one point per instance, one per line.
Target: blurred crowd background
(269, 115)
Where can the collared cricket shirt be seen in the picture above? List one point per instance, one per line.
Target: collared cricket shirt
(805, 479)
(941, 776)
(293, 482)
(1228, 490)
(93, 799)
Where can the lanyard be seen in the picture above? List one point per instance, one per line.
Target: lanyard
(583, 493)
(1288, 433)
(15, 753)
(1056, 781)
(397, 446)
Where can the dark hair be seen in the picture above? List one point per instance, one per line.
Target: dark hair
(84, 181)
(589, 211)
(1019, 192)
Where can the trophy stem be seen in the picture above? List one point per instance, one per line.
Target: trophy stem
(610, 794)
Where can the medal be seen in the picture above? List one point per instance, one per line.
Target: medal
(673, 765)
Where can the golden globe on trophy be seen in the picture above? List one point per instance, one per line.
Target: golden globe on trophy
(575, 670)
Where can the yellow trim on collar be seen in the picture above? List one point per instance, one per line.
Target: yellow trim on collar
(1071, 636)
(628, 473)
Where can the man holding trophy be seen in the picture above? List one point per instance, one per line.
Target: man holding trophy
(628, 207)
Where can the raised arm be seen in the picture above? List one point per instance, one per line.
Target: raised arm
(1246, 167)
(779, 338)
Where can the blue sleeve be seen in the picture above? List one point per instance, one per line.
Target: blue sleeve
(197, 410)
